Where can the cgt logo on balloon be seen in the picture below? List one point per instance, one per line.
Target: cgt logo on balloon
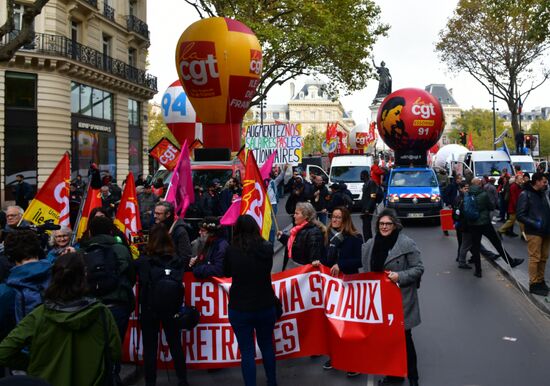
(198, 65)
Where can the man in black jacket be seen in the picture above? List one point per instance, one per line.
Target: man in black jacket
(368, 204)
(533, 210)
(319, 199)
(164, 213)
(22, 192)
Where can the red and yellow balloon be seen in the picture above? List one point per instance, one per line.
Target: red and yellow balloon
(410, 119)
(219, 63)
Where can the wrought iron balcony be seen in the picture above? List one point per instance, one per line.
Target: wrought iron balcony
(93, 3)
(57, 45)
(138, 26)
(109, 12)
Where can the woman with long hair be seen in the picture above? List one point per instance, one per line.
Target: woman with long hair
(251, 298)
(344, 251)
(394, 253)
(72, 339)
(160, 273)
(306, 241)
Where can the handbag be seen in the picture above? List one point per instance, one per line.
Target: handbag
(187, 318)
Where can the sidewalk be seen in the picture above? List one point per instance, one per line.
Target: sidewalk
(519, 275)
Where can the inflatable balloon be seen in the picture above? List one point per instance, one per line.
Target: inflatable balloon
(410, 119)
(179, 115)
(219, 63)
(447, 154)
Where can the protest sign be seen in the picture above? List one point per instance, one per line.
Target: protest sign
(356, 320)
(263, 140)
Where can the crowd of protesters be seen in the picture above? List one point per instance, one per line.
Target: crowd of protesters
(56, 290)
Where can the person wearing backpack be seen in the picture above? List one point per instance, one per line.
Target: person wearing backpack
(110, 272)
(164, 213)
(161, 294)
(71, 338)
(30, 276)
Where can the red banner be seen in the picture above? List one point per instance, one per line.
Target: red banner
(356, 320)
(166, 153)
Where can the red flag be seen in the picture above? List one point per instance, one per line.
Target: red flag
(52, 200)
(127, 216)
(166, 153)
(470, 142)
(331, 131)
(93, 200)
(255, 201)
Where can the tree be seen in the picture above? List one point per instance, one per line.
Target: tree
(304, 37)
(11, 40)
(500, 43)
(479, 122)
(313, 142)
(542, 128)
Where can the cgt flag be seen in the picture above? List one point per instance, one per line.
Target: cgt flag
(127, 216)
(93, 200)
(254, 197)
(52, 200)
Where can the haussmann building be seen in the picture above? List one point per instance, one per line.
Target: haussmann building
(80, 86)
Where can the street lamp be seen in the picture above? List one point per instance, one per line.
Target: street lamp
(263, 104)
(494, 120)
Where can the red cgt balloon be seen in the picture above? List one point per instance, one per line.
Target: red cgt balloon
(410, 119)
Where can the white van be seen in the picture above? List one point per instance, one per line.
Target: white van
(346, 169)
(526, 163)
(483, 162)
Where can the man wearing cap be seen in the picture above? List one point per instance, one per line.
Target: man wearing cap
(210, 200)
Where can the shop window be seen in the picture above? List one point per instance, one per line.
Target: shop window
(22, 88)
(91, 102)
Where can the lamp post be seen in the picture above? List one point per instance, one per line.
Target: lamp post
(494, 120)
(263, 104)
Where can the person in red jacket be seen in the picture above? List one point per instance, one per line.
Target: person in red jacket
(515, 190)
(376, 172)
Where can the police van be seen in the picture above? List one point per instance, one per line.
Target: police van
(413, 189)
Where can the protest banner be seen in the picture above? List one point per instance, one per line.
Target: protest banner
(356, 320)
(263, 140)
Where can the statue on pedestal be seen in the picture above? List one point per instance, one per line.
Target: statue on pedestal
(384, 82)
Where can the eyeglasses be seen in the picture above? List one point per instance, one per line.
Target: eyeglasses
(385, 224)
(61, 236)
(12, 215)
(337, 217)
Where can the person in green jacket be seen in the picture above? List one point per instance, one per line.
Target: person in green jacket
(68, 336)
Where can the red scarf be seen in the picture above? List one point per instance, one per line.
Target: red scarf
(293, 232)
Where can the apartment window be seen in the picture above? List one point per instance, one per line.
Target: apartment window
(298, 115)
(276, 115)
(18, 11)
(106, 44)
(132, 57)
(132, 6)
(75, 27)
(91, 102)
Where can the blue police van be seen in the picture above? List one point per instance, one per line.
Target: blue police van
(413, 192)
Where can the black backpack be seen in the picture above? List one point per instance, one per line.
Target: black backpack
(165, 289)
(102, 269)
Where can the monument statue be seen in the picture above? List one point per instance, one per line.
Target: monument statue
(384, 82)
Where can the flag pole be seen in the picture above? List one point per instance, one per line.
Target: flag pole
(80, 209)
(274, 217)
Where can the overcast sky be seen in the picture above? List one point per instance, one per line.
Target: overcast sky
(408, 51)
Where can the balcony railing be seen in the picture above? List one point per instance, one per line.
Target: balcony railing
(138, 26)
(109, 12)
(93, 3)
(57, 45)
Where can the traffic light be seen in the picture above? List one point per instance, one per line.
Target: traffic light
(463, 138)
(528, 141)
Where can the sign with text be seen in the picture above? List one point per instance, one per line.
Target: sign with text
(166, 153)
(356, 320)
(263, 140)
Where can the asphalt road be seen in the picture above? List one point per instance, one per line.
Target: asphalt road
(474, 332)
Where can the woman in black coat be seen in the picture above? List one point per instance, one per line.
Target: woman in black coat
(160, 297)
(251, 298)
(306, 241)
(344, 251)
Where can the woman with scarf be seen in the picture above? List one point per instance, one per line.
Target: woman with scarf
(211, 248)
(59, 242)
(307, 239)
(393, 252)
(344, 251)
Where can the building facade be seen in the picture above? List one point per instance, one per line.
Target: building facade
(451, 109)
(81, 87)
(311, 106)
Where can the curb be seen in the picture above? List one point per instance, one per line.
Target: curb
(130, 373)
(520, 280)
